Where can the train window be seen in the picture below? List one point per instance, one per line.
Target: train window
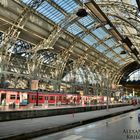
(60, 97)
(64, 98)
(46, 97)
(18, 97)
(12, 96)
(40, 98)
(52, 98)
(33, 97)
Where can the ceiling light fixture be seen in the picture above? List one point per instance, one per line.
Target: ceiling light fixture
(82, 11)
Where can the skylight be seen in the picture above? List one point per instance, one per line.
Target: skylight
(89, 40)
(48, 11)
(67, 5)
(101, 48)
(74, 29)
(100, 33)
(110, 42)
(86, 21)
(118, 50)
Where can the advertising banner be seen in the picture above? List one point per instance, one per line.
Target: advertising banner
(34, 85)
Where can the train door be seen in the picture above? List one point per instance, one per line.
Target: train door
(64, 99)
(3, 96)
(23, 99)
(60, 98)
(46, 100)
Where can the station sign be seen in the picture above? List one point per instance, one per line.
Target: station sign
(34, 84)
(113, 86)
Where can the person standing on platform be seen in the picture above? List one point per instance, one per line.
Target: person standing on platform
(3, 103)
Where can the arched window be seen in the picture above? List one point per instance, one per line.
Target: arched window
(134, 76)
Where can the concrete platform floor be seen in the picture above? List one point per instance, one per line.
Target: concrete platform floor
(31, 107)
(24, 129)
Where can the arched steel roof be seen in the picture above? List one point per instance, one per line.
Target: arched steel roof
(50, 32)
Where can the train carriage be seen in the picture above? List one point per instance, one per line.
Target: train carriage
(15, 97)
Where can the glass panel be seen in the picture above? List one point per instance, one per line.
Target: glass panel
(124, 55)
(74, 29)
(50, 12)
(40, 97)
(121, 62)
(89, 40)
(101, 48)
(52, 98)
(33, 97)
(86, 21)
(133, 2)
(109, 54)
(118, 50)
(67, 5)
(135, 75)
(100, 33)
(12, 97)
(116, 59)
(26, 1)
(110, 42)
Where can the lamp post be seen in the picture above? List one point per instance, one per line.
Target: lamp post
(37, 97)
(107, 102)
(107, 91)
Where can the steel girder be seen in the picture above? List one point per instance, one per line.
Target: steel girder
(10, 37)
(48, 44)
(124, 13)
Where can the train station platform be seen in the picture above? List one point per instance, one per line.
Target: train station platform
(29, 128)
(8, 114)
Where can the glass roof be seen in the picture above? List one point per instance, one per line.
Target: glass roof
(49, 11)
(87, 21)
(89, 40)
(110, 54)
(135, 75)
(80, 76)
(101, 48)
(110, 42)
(118, 50)
(74, 29)
(95, 38)
(67, 5)
(100, 33)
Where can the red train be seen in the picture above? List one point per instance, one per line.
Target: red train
(52, 98)
(24, 98)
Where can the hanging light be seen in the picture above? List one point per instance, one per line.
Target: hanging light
(82, 12)
(123, 52)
